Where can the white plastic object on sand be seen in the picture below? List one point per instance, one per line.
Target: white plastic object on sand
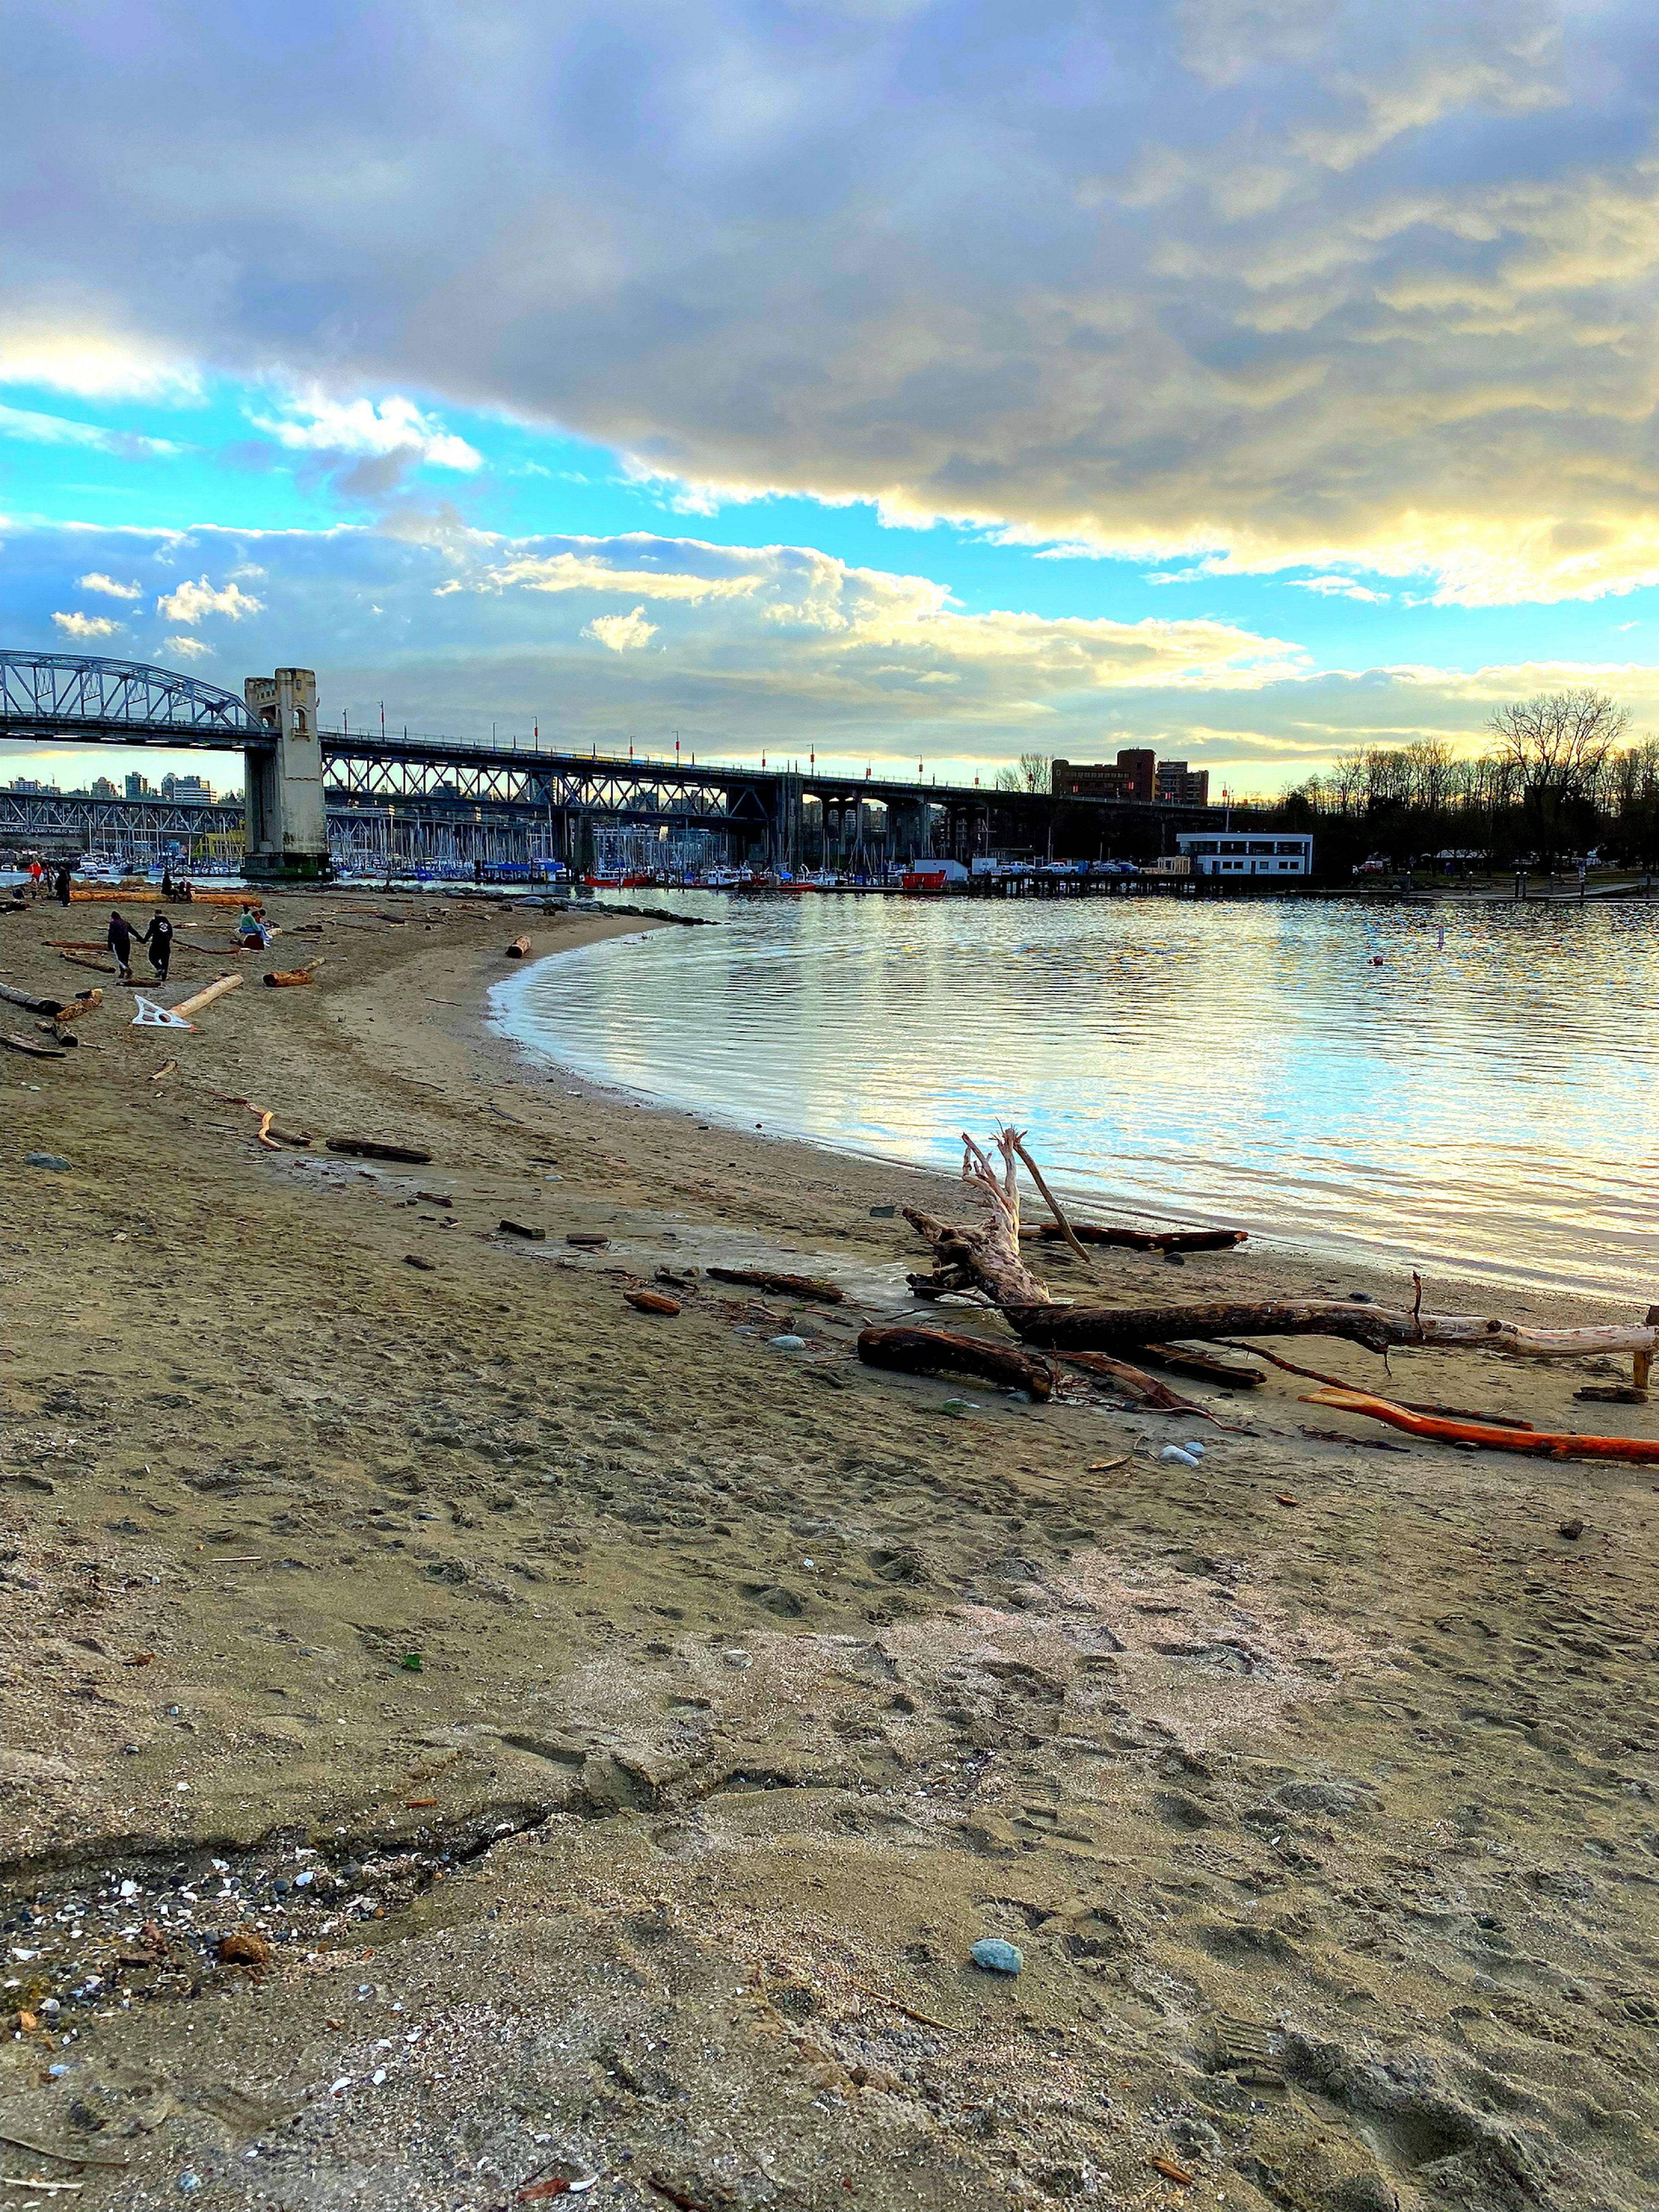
(149, 1016)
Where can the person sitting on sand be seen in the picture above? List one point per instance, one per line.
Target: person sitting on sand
(119, 941)
(158, 941)
(250, 930)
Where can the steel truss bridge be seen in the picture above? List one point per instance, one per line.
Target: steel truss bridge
(548, 794)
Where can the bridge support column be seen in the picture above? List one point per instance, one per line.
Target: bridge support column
(287, 823)
(789, 829)
(909, 831)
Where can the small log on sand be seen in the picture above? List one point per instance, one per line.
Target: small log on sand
(651, 1302)
(793, 1287)
(27, 1046)
(1148, 1393)
(83, 1002)
(941, 1351)
(1144, 1240)
(371, 1148)
(28, 1002)
(1539, 1441)
(1203, 1366)
(285, 979)
(520, 949)
(216, 990)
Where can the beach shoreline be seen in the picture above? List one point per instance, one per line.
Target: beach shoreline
(658, 1713)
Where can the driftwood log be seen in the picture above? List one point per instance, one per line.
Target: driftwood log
(27, 1046)
(1144, 1240)
(1148, 1393)
(1380, 1328)
(28, 1002)
(942, 1351)
(203, 999)
(1541, 1442)
(520, 949)
(1203, 1366)
(651, 1302)
(795, 1287)
(371, 1148)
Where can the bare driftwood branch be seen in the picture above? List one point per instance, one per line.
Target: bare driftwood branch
(1148, 1393)
(984, 1259)
(371, 1148)
(1017, 1138)
(942, 1351)
(1541, 1442)
(1411, 1405)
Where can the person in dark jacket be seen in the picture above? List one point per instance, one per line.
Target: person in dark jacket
(119, 941)
(63, 884)
(158, 941)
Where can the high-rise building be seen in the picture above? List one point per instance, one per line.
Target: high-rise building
(139, 786)
(1180, 786)
(1132, 776)
(187, 790)
(103, 789)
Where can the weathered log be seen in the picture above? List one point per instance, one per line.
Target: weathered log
(84, 1003)
(1616, 1394)
(1539, 1441)
(414, 1260)
(1204, 1366)
(30, 1004)
(587, 1240)
(522, 1228)
(204, 998)
(651, 1302)
(520, 949)
(81, 960)
(795, 1287)
(984, 1260)
(57, 1031)
(1144, 1240)
(286, 979)
(1152, 1395)
(371, 1148)
(34, 1051)
(1124, 1328)
(935, 1350)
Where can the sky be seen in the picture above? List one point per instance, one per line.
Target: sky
(887, 382)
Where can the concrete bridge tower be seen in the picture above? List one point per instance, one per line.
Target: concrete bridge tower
(287, 822)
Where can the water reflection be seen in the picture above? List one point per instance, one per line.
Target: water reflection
(1489, 1105)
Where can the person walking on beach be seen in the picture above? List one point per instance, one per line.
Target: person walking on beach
(157, 940)
(63, 884)
(119, 941)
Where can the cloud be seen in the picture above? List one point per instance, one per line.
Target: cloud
(862, 664)
(395, 429)
(98, 582)
(620, 632)
(1343, 587)
(36, 429)
(63, 345)
(1296, 284)
(188, 602)
(83, 626)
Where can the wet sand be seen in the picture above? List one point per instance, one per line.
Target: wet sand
(660, 1717)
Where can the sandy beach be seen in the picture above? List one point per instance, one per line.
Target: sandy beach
(462, 1732)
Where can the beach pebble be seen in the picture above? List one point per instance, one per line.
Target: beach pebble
(996, 1956)
(47, 1160)
(787, 1343)
(739, 1659)
(958, 1406)
(189, 2183)
(1173, 1455)
(1196, 1449)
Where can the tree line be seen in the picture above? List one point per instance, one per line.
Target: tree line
(1558, 781)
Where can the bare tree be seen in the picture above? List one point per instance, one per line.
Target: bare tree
(1556, 744)
(1032, 773)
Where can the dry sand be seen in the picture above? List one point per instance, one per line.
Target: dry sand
(619, 1729)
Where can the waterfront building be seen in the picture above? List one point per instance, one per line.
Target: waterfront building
(1180, 786)
(187, 790)
(1221, 853)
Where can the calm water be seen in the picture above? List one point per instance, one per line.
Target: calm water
(1491, 1107)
